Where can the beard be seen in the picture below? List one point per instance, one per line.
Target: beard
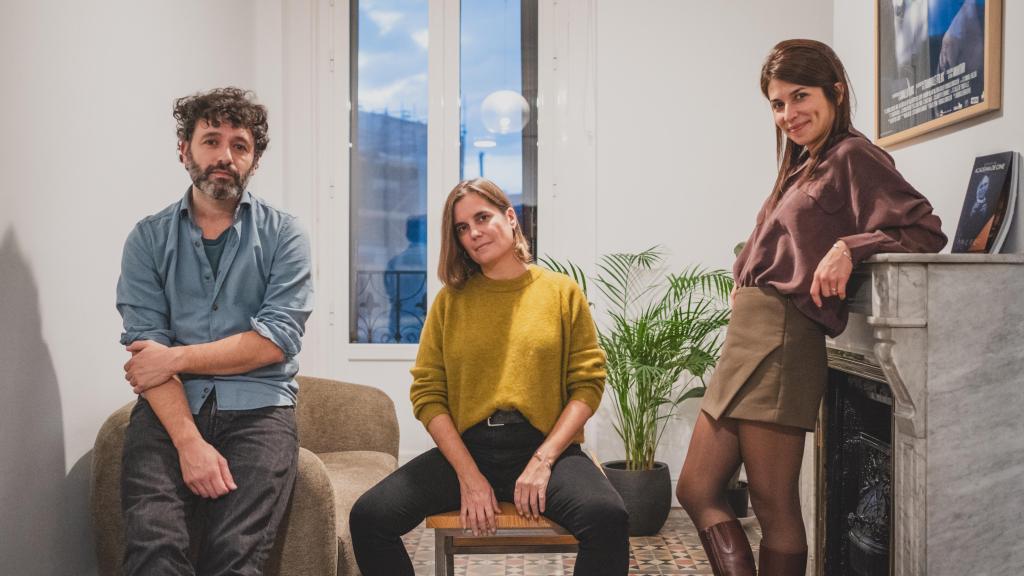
(216, 188)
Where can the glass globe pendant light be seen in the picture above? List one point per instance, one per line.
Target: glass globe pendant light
(504, 112)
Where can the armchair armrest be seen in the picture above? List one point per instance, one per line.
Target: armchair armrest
(307, 543)
(105, 491)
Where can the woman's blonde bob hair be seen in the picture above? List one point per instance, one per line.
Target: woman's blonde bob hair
(456, 266)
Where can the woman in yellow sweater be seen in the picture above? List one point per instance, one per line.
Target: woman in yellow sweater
(508, 372)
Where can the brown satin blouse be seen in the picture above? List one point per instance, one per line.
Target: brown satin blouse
(855, 195)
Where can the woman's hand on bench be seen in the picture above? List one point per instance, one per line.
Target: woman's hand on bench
(479, 505)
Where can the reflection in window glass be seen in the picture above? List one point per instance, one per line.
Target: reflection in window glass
(498, 75)
(388, 244)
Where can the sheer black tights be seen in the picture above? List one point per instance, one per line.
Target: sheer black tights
(772, 454)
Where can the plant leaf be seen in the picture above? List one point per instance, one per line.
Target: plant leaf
(658, 329)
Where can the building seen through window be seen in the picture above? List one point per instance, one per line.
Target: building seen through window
(388, 234)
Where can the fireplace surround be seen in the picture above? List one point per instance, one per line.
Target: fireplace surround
(942, 338)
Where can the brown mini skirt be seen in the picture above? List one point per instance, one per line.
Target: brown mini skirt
(773, 366)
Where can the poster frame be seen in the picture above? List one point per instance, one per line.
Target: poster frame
(991, 99)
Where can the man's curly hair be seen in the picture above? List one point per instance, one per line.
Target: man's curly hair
(234, 105)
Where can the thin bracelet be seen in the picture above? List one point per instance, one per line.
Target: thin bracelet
(844, 251)
(542, 460)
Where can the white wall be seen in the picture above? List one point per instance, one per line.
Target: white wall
(88, 150)
(939, 163)
(685, 140)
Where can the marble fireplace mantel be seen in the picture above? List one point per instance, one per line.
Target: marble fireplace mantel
(946, 332)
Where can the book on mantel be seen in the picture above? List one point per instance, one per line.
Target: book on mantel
(989, 205)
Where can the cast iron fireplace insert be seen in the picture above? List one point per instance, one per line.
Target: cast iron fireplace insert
(857, 460)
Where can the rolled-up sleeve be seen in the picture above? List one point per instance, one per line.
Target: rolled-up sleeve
(141, 299)
(890, 215)
(289, 296)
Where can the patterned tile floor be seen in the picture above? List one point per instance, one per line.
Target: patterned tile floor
(675, 550)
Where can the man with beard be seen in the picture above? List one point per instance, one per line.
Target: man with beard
(214, 293)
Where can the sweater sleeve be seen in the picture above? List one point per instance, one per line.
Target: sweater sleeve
(585, 374)
(429, 391)
(889, 213)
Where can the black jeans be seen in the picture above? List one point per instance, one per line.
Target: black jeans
(238, 529)
(579, 498)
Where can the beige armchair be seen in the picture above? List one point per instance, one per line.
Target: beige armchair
(348, 438)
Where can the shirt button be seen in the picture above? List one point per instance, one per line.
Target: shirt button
(215, 307)
(207, 276)
(205, 390)
(197, 243)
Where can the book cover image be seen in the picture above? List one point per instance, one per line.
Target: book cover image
(988, 205)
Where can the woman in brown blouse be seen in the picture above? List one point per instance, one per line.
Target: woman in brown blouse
(837, 200)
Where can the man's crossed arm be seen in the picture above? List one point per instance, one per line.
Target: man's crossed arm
(153, 364)
(153, 370)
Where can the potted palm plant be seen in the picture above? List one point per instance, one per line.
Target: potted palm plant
(661, 332)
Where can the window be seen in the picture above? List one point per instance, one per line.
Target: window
(388, 234)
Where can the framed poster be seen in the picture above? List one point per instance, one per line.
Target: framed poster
(938, 62)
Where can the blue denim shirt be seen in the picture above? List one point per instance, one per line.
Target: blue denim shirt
(167, 293)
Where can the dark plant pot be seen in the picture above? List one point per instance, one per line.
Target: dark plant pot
(646, 493)
(738, 498)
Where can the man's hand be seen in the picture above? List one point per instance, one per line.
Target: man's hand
(832, 274)
(532, 489)
(204, 470)
(479, 505)
(151, 365)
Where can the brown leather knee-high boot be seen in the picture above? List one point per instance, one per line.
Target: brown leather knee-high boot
(775, 563)
(728, 549)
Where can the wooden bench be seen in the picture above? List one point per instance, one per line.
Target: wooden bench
(515, 535)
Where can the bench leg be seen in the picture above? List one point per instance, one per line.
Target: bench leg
(449, 555)
(444, 559)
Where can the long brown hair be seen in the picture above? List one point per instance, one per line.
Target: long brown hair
(807, 63)
(456, 266)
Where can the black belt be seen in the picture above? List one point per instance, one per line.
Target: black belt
(502, 417)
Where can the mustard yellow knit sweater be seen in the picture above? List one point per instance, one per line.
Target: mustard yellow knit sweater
(527, 344)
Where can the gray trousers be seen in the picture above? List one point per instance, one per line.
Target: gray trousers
(234, 532)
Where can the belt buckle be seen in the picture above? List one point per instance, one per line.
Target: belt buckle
(495, 424)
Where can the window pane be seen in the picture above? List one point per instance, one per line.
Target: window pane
(388, 241)
(499, 93)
